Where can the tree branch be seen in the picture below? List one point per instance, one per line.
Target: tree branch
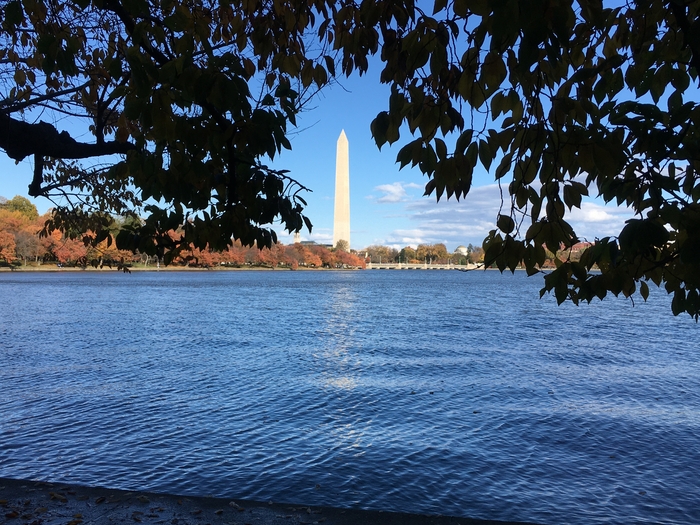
(21, 139)
(42, 98)
(118, 9)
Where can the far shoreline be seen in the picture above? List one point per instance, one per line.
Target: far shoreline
(138, 269)
(73, 269)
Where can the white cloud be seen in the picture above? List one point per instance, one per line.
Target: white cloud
(394, 192)
(468, 221)
(595, 220)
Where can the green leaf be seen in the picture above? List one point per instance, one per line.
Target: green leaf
(320, 76)
(379, 127)
(330, 65)
(505, 223)
(464, 141)
(13, 14)
(440, 148)
(461, 7)
(644, 290)
(504, 165)
(439, 5)
(485, 154)
(472, 154)
(572, 197)
(640, 234)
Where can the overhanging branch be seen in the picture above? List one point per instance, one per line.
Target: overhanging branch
(21, 139)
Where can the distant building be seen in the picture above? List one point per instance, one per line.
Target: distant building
(462, 250)
(314, 243)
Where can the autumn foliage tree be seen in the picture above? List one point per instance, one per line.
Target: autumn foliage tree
(7, 246)
(19, 226)
(434, 253)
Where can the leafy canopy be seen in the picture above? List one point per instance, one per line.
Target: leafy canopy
(184, 100)
(20, 204)
(558, 99)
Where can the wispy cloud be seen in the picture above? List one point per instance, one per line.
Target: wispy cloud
(422, 220)
(468, 221)
(395, 192)
(595, 220)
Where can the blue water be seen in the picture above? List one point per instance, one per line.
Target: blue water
(418, 391)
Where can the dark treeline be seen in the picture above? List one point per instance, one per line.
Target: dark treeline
(424, 254)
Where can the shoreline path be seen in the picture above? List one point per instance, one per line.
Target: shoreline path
(41, 503)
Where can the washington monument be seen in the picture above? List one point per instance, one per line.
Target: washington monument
(341, 212)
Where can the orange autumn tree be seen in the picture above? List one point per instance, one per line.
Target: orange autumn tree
(66, 250)
(20, 220)
(344, 258)
(7, 246)
(106, 254)
(234, 255)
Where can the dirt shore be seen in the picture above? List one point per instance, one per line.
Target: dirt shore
(41, 503)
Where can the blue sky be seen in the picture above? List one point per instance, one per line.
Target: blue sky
(386, 205)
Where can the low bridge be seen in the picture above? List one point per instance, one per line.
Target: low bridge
(420, 266)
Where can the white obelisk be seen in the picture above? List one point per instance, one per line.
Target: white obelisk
(341, 213)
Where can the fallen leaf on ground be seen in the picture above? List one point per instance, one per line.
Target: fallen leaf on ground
(57, 495)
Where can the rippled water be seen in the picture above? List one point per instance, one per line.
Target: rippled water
(433, 392)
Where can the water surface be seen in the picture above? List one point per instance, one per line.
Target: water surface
(418, 391)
